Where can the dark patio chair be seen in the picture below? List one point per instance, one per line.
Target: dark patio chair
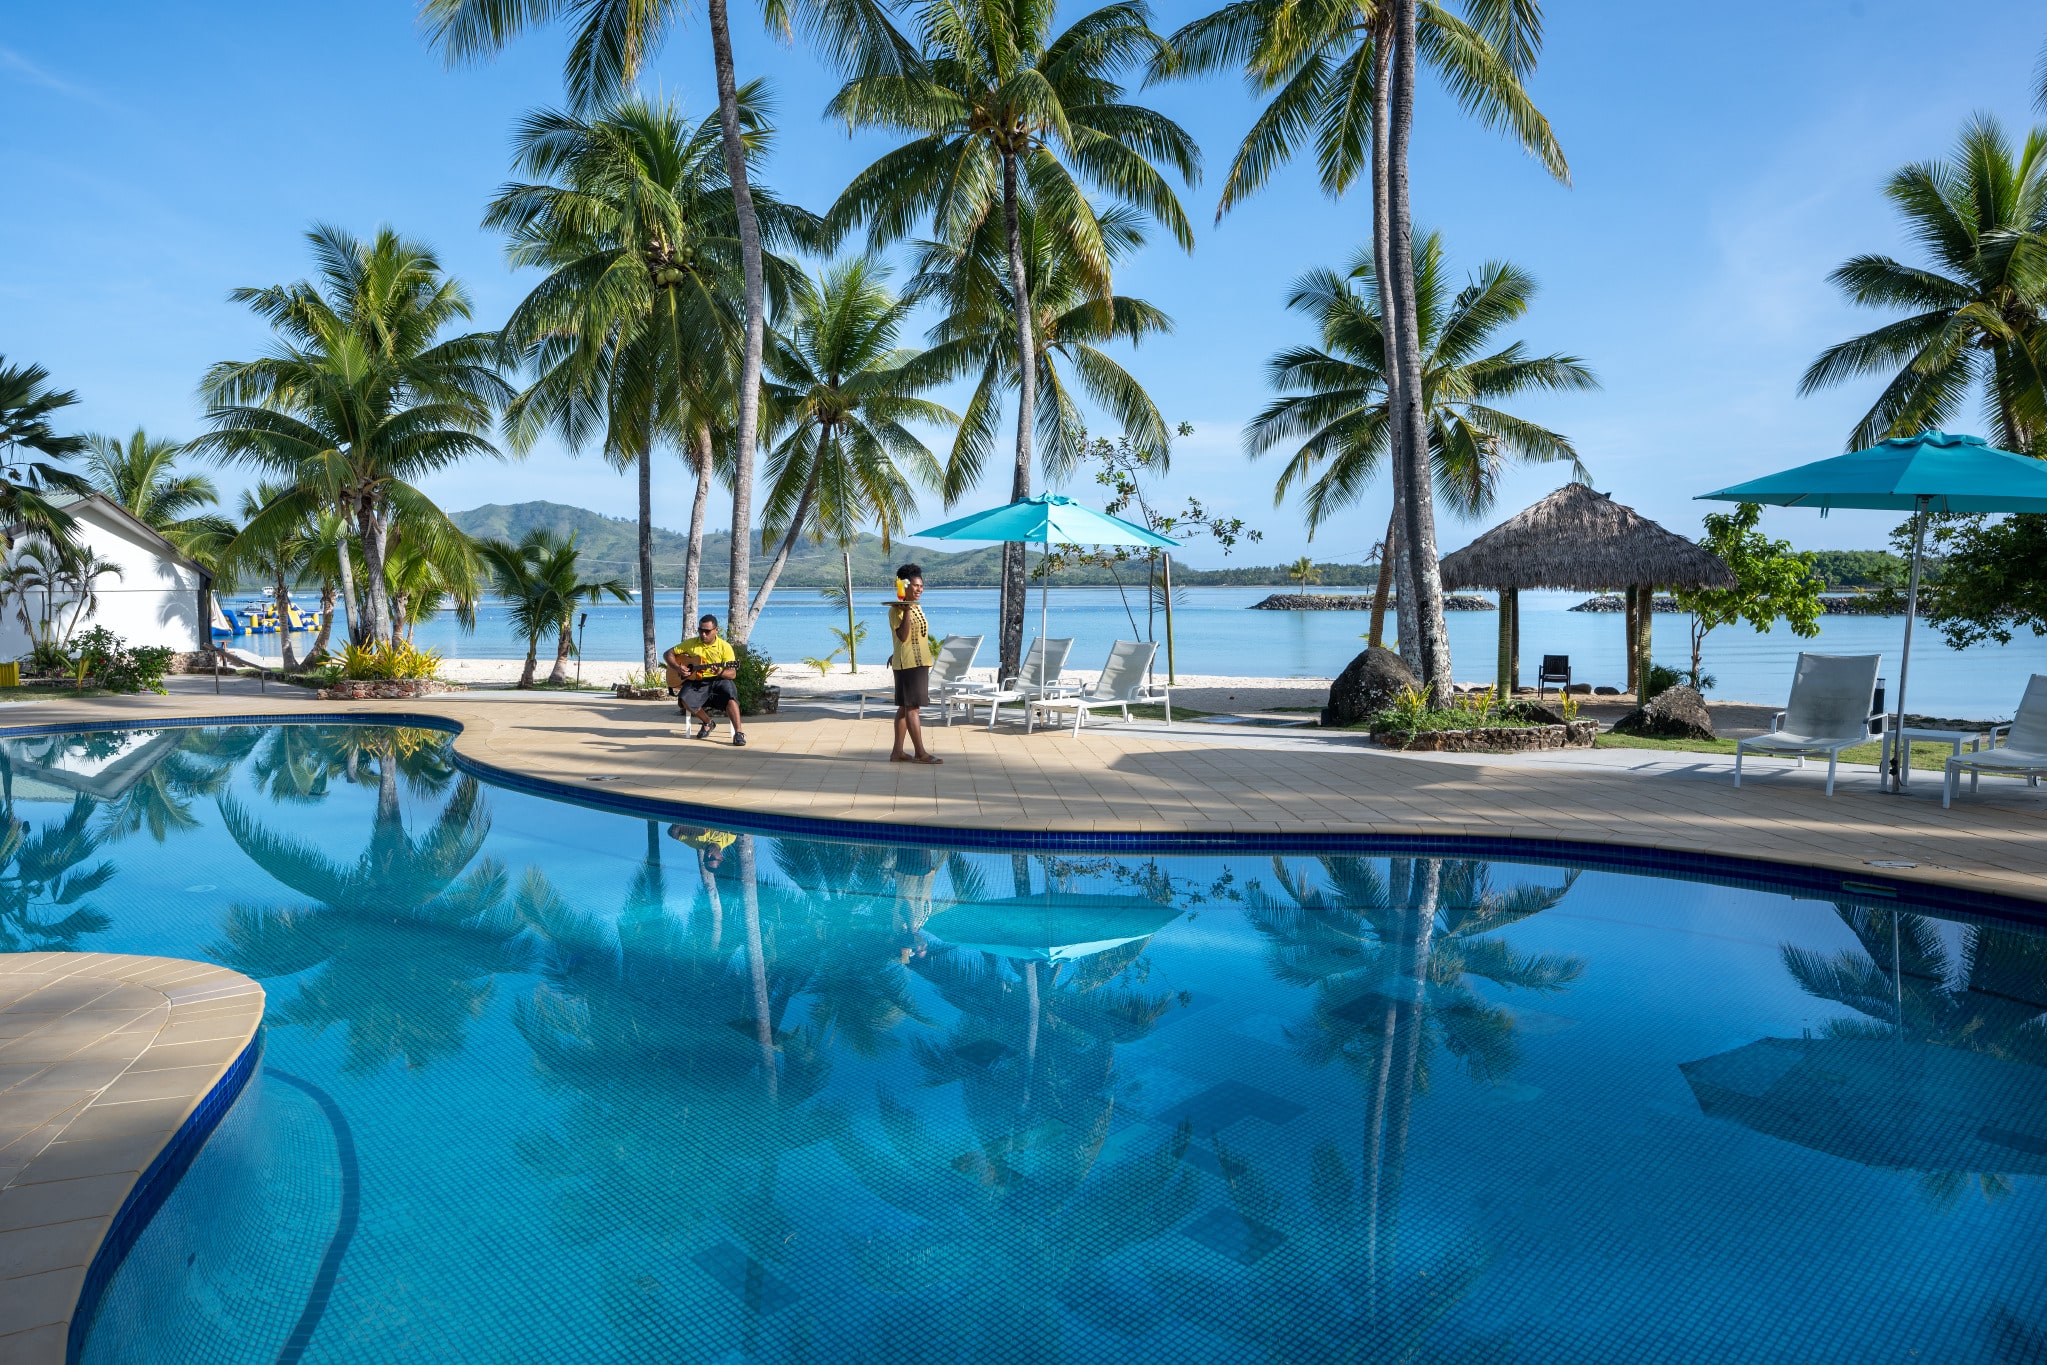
(1556, 668)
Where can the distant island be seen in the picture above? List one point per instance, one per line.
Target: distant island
(611, 545)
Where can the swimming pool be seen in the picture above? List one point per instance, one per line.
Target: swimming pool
(545, 1082)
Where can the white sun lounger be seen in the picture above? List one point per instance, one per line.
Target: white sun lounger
(2024, 751)
(956, 655)
(1039, 678)
(1831, 699)
(1121, 686)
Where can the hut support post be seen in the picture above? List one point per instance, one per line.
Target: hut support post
(1645, 620)
(1514, 596)
(1506, 673)
(1628, 646)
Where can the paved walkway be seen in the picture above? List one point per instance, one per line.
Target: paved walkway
(819, 762)
(104, 1058)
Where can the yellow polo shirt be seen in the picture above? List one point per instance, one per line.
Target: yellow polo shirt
(915, 651)
(705, 659)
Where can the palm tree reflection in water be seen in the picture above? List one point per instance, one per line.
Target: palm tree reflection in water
(408, 939)
(1389, 957)
(1022, 1222)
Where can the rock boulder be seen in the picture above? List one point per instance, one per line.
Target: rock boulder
(1367, 687)
(1674, 713)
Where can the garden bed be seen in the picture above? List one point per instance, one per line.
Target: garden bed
(385, 689)
(1493, 739)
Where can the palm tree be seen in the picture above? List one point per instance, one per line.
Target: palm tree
(362, 396)
(1337, 406)
(44, 879)
(1001, 111)
(975, 338)
(429, 574)
(844, 390)
(284, 551)
(632, 214)
(1975, 312)
(1911, 987)
(1303, 571)
(141, 474)
(26, 403)
(614, 39)
(408, 938)
(1341, 74)
(542, 583)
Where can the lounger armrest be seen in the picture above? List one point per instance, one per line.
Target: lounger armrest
(1777, 721)
(1996, 733)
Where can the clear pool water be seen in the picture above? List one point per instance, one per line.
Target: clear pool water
(549, 1084)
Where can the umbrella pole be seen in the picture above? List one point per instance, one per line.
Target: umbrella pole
(1044, 589)
(1901, 754)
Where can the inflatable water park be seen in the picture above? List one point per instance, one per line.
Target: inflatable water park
(260, 617)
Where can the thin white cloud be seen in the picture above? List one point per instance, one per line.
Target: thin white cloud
(34, 74)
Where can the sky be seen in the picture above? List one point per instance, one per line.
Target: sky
(1724, 159)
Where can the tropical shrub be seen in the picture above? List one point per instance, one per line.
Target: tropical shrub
(755, 668)
(1415, 711)
(119, 666)
(398, 662)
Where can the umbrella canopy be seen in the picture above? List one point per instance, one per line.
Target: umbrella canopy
(1576, 538)
(1051, 926)
(1047, 519)
(1934, 471)
(1880, 1102)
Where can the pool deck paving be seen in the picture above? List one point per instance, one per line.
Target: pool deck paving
(815, 760)
(104, 1059)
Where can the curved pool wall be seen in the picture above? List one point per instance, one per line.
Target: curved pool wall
(552, 1080)
(153, 1187)
(1720, 869)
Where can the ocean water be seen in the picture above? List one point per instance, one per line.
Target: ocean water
(1214, 634)
(547, 1083)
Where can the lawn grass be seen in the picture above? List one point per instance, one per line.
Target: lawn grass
(1155, 712)
(43, 691)
(1926, 756)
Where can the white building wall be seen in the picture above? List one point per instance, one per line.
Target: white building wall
(154, 600)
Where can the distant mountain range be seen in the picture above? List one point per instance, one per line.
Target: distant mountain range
(611, 545)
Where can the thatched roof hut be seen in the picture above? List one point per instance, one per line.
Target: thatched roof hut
(1576, 538)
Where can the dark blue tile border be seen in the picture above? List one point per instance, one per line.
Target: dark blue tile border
(153, 1188)
(1718, 869)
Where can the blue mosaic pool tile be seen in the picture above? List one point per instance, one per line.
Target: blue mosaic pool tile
(1228, 1233)
(1219, 1106)
(745, 1278)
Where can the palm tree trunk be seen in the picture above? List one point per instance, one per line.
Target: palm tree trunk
(1419, 519)
(852, 645)
(376, 604)
(1014, 551)
(328, 597)
(355, 623)
(1393, 562)
(1376, 636)
(564, 645)
(283, 599)
(737, 624)
(532, 660)
(650, 654)
(796, 520)
(756, 962)
(693, 557)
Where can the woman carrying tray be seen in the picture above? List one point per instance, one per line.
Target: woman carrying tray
(912, 664)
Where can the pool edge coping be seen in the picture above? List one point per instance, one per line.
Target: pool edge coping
(1753, 872)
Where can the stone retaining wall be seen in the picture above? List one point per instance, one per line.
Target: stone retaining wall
(351, 689)
(1505, 739)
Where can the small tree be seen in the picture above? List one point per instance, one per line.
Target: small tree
(1303, 572)
(1985, 578)
(1123, 466)
(1772, 581)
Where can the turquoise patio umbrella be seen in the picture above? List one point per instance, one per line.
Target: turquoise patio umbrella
(1931, 472)
(1050, 519)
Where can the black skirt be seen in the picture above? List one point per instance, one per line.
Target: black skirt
(913, 686)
